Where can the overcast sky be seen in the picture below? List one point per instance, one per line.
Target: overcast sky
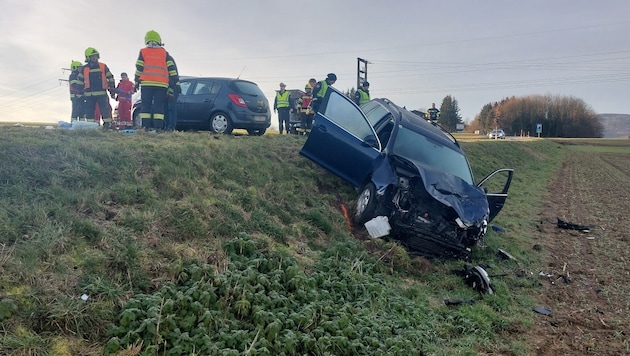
(419, 51)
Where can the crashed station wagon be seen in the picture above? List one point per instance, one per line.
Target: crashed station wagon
(408, 170)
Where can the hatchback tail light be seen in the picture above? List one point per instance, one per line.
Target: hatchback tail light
(238, 100)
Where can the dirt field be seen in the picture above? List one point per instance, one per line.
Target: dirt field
(588, 282)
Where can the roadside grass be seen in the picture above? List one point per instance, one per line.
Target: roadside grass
(194, 243)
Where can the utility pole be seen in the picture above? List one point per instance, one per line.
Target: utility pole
(361, 71)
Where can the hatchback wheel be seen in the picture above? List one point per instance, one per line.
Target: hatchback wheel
(365, 208)
(220, 123)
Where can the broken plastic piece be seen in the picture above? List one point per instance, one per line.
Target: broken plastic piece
(458, 301)
(478, 279)
(378, 227)
(542, 310)
(505, 255)
(571, 226)
(497, 228)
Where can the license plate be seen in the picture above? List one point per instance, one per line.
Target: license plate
(259, 118)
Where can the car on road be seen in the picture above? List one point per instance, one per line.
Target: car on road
(219, 105)
(408, 170)
(497, 134)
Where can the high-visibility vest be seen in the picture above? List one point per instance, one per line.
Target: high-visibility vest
(322, 89)
(364, 96)
(282, 99)
(154, 72)
(86, 76)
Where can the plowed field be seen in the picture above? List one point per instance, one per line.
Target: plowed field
(588, 283)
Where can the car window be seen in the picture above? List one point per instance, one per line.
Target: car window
(342, 112)
(247, 88)
(417, 147)
(185, 86)
(374, 112)
(205, 87)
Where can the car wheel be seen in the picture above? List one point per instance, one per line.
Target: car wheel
(256, 132)
(220, 123)
(365, 208)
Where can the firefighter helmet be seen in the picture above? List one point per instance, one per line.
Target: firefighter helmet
(152, 36)
(74, 65)
(89, 52)
(308, 86)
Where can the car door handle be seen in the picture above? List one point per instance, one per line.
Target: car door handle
(321, 128)
(206, 100)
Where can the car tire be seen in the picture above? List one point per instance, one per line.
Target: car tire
(365, 207)
(256, 132)
(220, 123)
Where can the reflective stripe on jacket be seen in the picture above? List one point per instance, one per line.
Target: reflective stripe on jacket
(154, 70)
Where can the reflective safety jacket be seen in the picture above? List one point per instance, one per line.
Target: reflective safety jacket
(73, 82)
(321, 89)
(304, 102)
(156, 68)
(363, 96)
(95, 79)
(282, 100)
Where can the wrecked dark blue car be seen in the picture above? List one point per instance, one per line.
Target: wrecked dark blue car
(410, 171)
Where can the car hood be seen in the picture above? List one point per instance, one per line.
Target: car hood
(469, 201)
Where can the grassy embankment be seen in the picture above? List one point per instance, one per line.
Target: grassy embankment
(204, 244)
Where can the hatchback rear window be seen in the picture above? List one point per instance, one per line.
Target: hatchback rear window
(247, 88)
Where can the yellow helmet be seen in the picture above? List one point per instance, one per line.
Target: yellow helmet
(152, 36)
(90, 51)
(74, 65)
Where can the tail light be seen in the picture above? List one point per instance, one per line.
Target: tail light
(238, 100)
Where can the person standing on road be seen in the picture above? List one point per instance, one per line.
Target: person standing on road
(95, 80)
(76, 93)
(320, 89)
(155, 73)
(433, 114)
(124, 90)
(362, 95)
(282, 104)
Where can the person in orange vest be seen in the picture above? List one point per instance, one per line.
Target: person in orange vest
(304, 107)
(155, 73)
(95, 80)
(124, 90)
(76, 94)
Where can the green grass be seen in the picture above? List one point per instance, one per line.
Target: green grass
(193, 243)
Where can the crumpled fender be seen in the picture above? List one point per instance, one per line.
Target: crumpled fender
(468, 201)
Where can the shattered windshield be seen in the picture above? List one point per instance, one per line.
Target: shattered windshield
(419, 148)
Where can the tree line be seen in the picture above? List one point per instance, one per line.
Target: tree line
(558, 116)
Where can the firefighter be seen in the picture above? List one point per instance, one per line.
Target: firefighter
(320, 89)
(362, 95)
(155, 73)
(124, 90)
(304, 108)
(95, 80)
(433, 114)
(76, 93)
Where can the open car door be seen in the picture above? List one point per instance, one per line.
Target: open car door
(496, 186)
(342, 139)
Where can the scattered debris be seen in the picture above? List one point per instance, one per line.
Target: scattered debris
(571, 226)
(459, 302)
(497, 228)
(378, 227)
(542, 310)
(505, 255)
(477, 278)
